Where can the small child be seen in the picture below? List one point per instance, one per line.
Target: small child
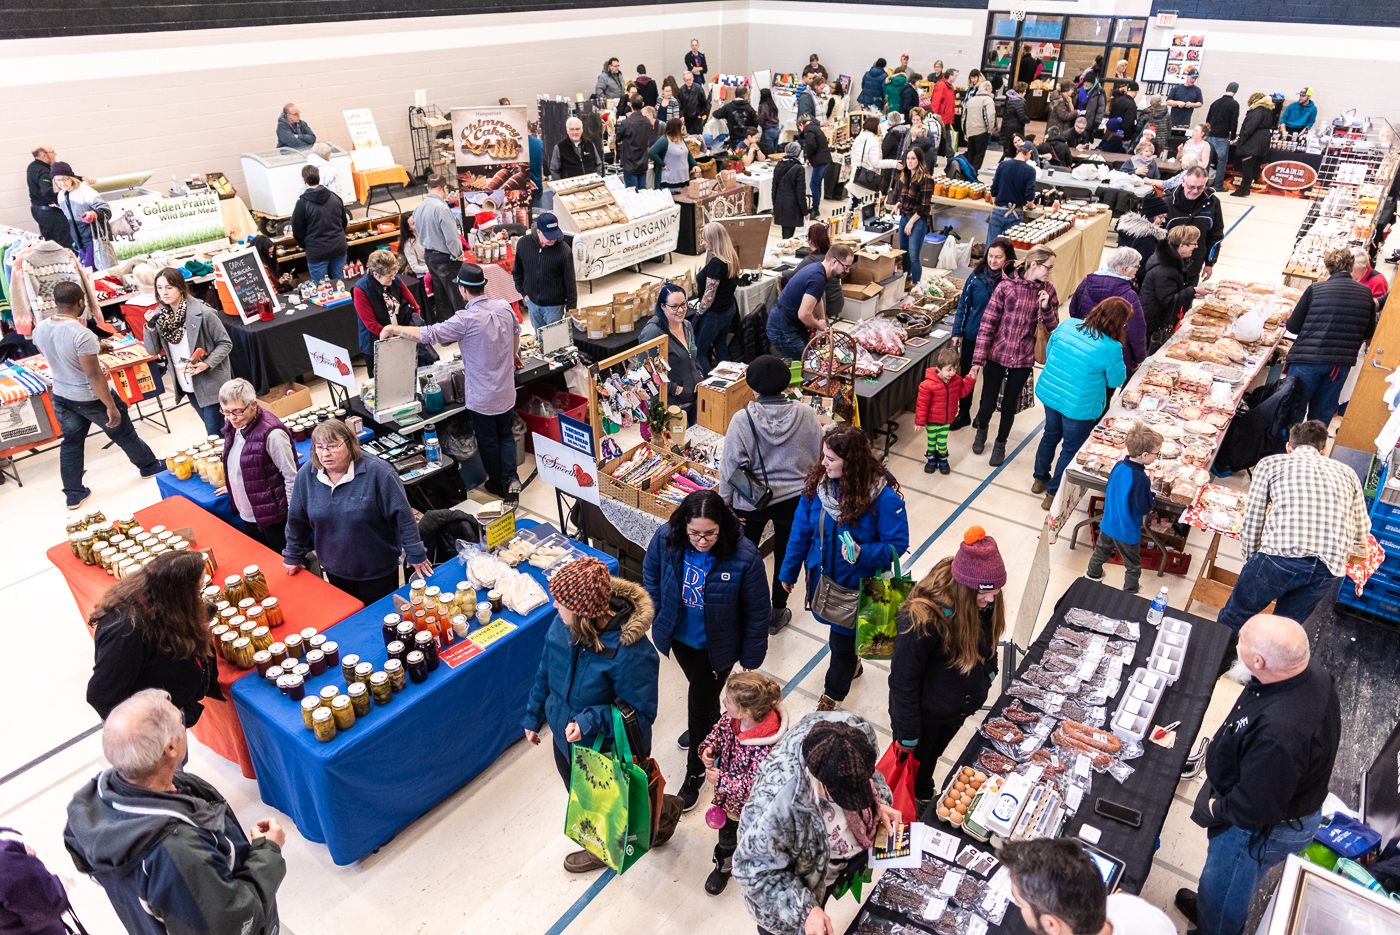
(1128, 499)
(938, 406)
(754, 720)
(486, 217)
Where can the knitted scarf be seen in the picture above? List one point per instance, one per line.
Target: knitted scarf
(829, 497)
(171, 322)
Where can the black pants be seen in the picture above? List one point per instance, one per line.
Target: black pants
(994, 376)
(977, 149)
(52, 224)
(702, 699)
(781, 513)
(562, 762)
(728, 842)
(273, 536)
(788, 231)
(495, 440)
(965, 352)
(367, 591)
(1249, 172)
(934, 737)
(447, 299)
(842, 668)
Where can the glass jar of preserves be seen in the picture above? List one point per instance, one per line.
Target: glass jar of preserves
(347, 667)
(332, 650)
(83, 547)
(296, 687)
(497, 602)
(274, 674)
(323, 724)
(107, 558)
(343, 712)
(431, 595)
(397, 679)
(359, 698)
(406, 632)
(309, 706)
(241, 652)
(245, 604)
(397, 650)
(388, 629)
(226, 643)
(279, 652)
(316, 642)
(228, 613)
(306, 634)
(234, 589)
(300, 668)
(74, 525)
(245, 630)
(211, 563)
(255, 615)
(416, 588)
(272, 610)
(417, 665)
(464, 601)
(328, 694)
(262, 661)
(212, 594)
(295, 647)
(136, 532)
(483, 612)
(159, 549)
(164, 537)
(234, 622)
(317, 662)
(118, 541)
(216, 475)
(256, 582)
(379, 688)
(126, 567)
(93, 518)
(217, 632)
(425, 644)
(363, 671)
(183, 468)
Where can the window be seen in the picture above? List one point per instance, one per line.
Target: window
(1089, 28)
(1065, 45)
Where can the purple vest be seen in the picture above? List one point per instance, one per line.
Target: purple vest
(262, 482)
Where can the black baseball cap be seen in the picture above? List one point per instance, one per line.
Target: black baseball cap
(470, 275)
(548, 226)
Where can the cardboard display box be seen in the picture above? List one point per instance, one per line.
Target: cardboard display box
(716, 407)
(872, 267)
(859, 291)
(286, 399)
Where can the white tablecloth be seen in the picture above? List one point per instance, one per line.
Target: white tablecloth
(762, 186)
(639, 526)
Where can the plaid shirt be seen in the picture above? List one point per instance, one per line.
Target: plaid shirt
(1303, 504)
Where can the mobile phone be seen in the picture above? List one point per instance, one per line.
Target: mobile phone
(1121, 813)
(848, 546)
(1109, 867)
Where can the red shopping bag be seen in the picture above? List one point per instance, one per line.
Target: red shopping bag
(899, 772)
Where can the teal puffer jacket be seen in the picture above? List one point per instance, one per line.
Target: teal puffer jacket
(1079, 369)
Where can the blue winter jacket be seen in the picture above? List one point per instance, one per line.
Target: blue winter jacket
(882, 533)
(579, 683)
(1128, 500)
(737, 602)
(1079, 369)
(977, 292)
(872, 87)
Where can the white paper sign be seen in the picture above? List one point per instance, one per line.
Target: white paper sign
(363, 133)
(608, 249)
(940, 844)
(331, 363)
(572, 472)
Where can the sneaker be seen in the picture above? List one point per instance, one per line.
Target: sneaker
(1039, 486)
(153, 470)
(690, 791)
(778, 619)
(683, 741)
(1093, 577)
(998, 454)
(75, 502)
(1186, 904)
(582, 862)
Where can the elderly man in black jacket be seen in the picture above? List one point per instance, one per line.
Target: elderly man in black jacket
(1195, 203)
(1332, 320)
(1266, 773)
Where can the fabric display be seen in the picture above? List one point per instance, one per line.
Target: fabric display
(35, 270)
(684, 483)
(626, 393)
(18, 384)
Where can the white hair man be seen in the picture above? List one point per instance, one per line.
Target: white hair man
(575, 155)
(260, 463)
(163, 843)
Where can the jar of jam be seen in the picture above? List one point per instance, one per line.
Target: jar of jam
(279, 652)
(261, 637)
(379, 688)
(359, 698)
(272, 611)
(397, 650)
(256, 582)
(397, 679)
(317, 661)
(389, 627)
(296, 687)
(274, 674)
(241, 653)
(301, 669)
(226, 642)
(329, 694)
(343, 712)
(262, 661)
(316, 642)
(497, 602)
(406, 632)
(332, 650)
(347, 667)
(425, 644)
(295, 647)
(363, 671)
(323, 723)
(309, 707)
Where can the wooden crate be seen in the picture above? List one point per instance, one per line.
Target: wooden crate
(715, 408)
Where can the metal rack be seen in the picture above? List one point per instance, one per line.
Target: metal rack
(424, 123)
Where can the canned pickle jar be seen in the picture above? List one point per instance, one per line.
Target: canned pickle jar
(261, 637)
(347, 667)
(329, 694)
(241, 653)
(272, 612)
(256, 582)
(379, 688)
(343, 712)
(323, 724)
(359, 698)
(309, 706)
(398, 681)
(363, 671)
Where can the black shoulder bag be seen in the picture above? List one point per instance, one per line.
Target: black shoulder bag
(745, 483)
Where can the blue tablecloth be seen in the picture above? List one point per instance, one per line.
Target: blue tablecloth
(358, 791)
(220, 505)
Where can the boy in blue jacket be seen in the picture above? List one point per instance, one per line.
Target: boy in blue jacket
(1128, 500)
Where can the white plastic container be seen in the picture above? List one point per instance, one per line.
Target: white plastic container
(1129, 727)
(1167, 664)
(1177, 626)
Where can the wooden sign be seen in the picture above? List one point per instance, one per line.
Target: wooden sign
(1289, 176)
(243, 273)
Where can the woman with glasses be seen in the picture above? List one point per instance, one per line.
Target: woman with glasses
(260, 464)
(710, 590)
(195, 343)
(356, 510)
(382, 298)
(681, 350)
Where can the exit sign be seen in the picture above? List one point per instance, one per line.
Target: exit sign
(1166, 20)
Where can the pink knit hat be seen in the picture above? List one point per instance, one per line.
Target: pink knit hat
(978, 564)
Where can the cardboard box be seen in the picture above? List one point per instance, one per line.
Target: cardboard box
(872, 267)
(861, 290)
(286, 399)
(715, 407)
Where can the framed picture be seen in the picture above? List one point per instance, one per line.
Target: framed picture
(894, 364)
(915, 342)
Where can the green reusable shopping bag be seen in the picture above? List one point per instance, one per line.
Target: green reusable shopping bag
(880, 597)
(609, 806)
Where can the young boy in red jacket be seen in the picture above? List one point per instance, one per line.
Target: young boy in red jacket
(938, 406)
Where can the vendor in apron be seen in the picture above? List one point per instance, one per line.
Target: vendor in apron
(1013, 187)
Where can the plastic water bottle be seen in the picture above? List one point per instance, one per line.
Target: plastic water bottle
(430, 442)
(1159, 608)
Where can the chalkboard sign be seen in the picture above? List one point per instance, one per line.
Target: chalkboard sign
(244, 276)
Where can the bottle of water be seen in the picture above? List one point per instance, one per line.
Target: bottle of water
(430, 442)
(1159, 608)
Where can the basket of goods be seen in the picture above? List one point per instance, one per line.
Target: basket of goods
(916, 322)
(828, 359)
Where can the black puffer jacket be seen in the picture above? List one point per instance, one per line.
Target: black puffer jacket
(1255, 131)
(1204, 214)
(1332, 320)
(1142, 235)
(318, 224)
(789, 193)
(1164, 292)
(924, 686)
(814, 145)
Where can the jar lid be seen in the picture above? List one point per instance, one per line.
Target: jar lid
(292, 639)
(278, 647)
(311, 703)
(432, 591)
(232, 580)
(364, 668)
(229, 636)
(293, 680)
(378, 678)
(242, 642)
(261, 656)
(82, 535)
(314, 656)
(269, 602)
(393, 665)
(250, 571)
(395, 648)
(254, 612)
(329, 692)
(236, 621)
(273, 673)
(405, 627)
(330, 646)
(422, 637)
(308, 632)
(350, 661)
(261, 631)
(415, 657)
(354, 691)
(321, 714)
(301, 669)
(461, 617)
(341, 701)
(393, 619)
(464, 586)
(417, 583)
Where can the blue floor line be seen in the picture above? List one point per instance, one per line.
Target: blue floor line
(1237, 223)
(582, 902)
(806, 670)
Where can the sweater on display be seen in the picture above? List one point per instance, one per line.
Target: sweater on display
(36, 271)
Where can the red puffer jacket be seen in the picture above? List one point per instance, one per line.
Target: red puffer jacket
(938, 401)
(738, 755)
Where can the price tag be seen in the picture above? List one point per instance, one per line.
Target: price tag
(950, 883)
(940, 844)
(935, 908)
(491, 632)
(976, 926)
(460, 653)
(500, 531)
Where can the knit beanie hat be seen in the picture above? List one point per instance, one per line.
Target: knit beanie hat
(584, 586)
(1153, 205)
(840, 756)
(978, 564)
(793, 150)
(768, 375)
(60, 169)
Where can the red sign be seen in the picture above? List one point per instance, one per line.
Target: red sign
(1289, 176)
(459, 653)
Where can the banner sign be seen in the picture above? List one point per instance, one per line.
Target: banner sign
(608, 249)
(576, 434)
(150, 223)
(490, 136)
(570, 471)
(1288, 175)
(331, 363)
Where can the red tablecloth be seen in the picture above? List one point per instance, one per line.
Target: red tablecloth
(306, 601)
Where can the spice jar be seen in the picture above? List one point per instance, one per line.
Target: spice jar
(397, 650)
(323, 723)
(395, 670)
(279, 652)
(343, 712)
(494, 598)
(332, 650)
(347, 667)
(359, 698)
(317, 661)
(329, 694)
(425, 644)
(417, 667)
(272, 611)
(483, 612)
(241, 652)
(274, 676)
(309, 707)
(389, 628)
(379, 688)
(262, 661)
(295, 648)
(296, 687)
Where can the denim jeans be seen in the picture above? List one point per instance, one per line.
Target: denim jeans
(637, 181)
(1322, 384)
(1059, 428)
(713, 326)
(818, 174)
(334, 268)
(785, 343)
(1220, 146)
(1131, 553)
(911, 243)
(495, 440)
(1001, 219)
(771, 137)
(1297, 584)
(541, 315)
(211, 416)
(1234, 867)
(74, 419)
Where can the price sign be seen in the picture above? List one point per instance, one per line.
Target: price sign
(500, 531)
(243, 273)
(491, 632)
(459, 653)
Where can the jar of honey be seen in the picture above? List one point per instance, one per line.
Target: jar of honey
(323, 724)
(343, 712)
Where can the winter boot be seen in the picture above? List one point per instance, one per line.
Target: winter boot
(724, 866)
(979, 441)
(998, 453)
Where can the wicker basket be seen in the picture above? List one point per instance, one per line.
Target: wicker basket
(914, 332)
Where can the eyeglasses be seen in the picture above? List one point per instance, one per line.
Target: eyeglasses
(702, 536)
(234, 412)
(673, 306)
(327, 449)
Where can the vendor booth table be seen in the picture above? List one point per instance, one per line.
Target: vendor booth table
(306, 601)
(733, 202)
(881, 400)
(762, 184)
(360, 789)
(270, 353)
(1152, 785)
(375, 178)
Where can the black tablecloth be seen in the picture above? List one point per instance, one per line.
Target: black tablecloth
(603, 348)
(1152, 785)
(268, 353)
(883, 399)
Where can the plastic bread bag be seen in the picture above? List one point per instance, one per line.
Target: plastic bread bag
(1089, 620)
(521, 593)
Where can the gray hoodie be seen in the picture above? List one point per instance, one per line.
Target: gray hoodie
(789, 442)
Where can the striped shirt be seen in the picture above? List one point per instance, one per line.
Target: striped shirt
(1302, 505)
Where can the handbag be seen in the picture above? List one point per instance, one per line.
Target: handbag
(880, 600)
(1042, 341)
(867, 178)
(834, 603)
(609, 812)
(899, 772)
(1027, 398)
(745, 483)
(665, 809)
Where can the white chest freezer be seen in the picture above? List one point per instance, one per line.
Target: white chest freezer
(273, 178)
